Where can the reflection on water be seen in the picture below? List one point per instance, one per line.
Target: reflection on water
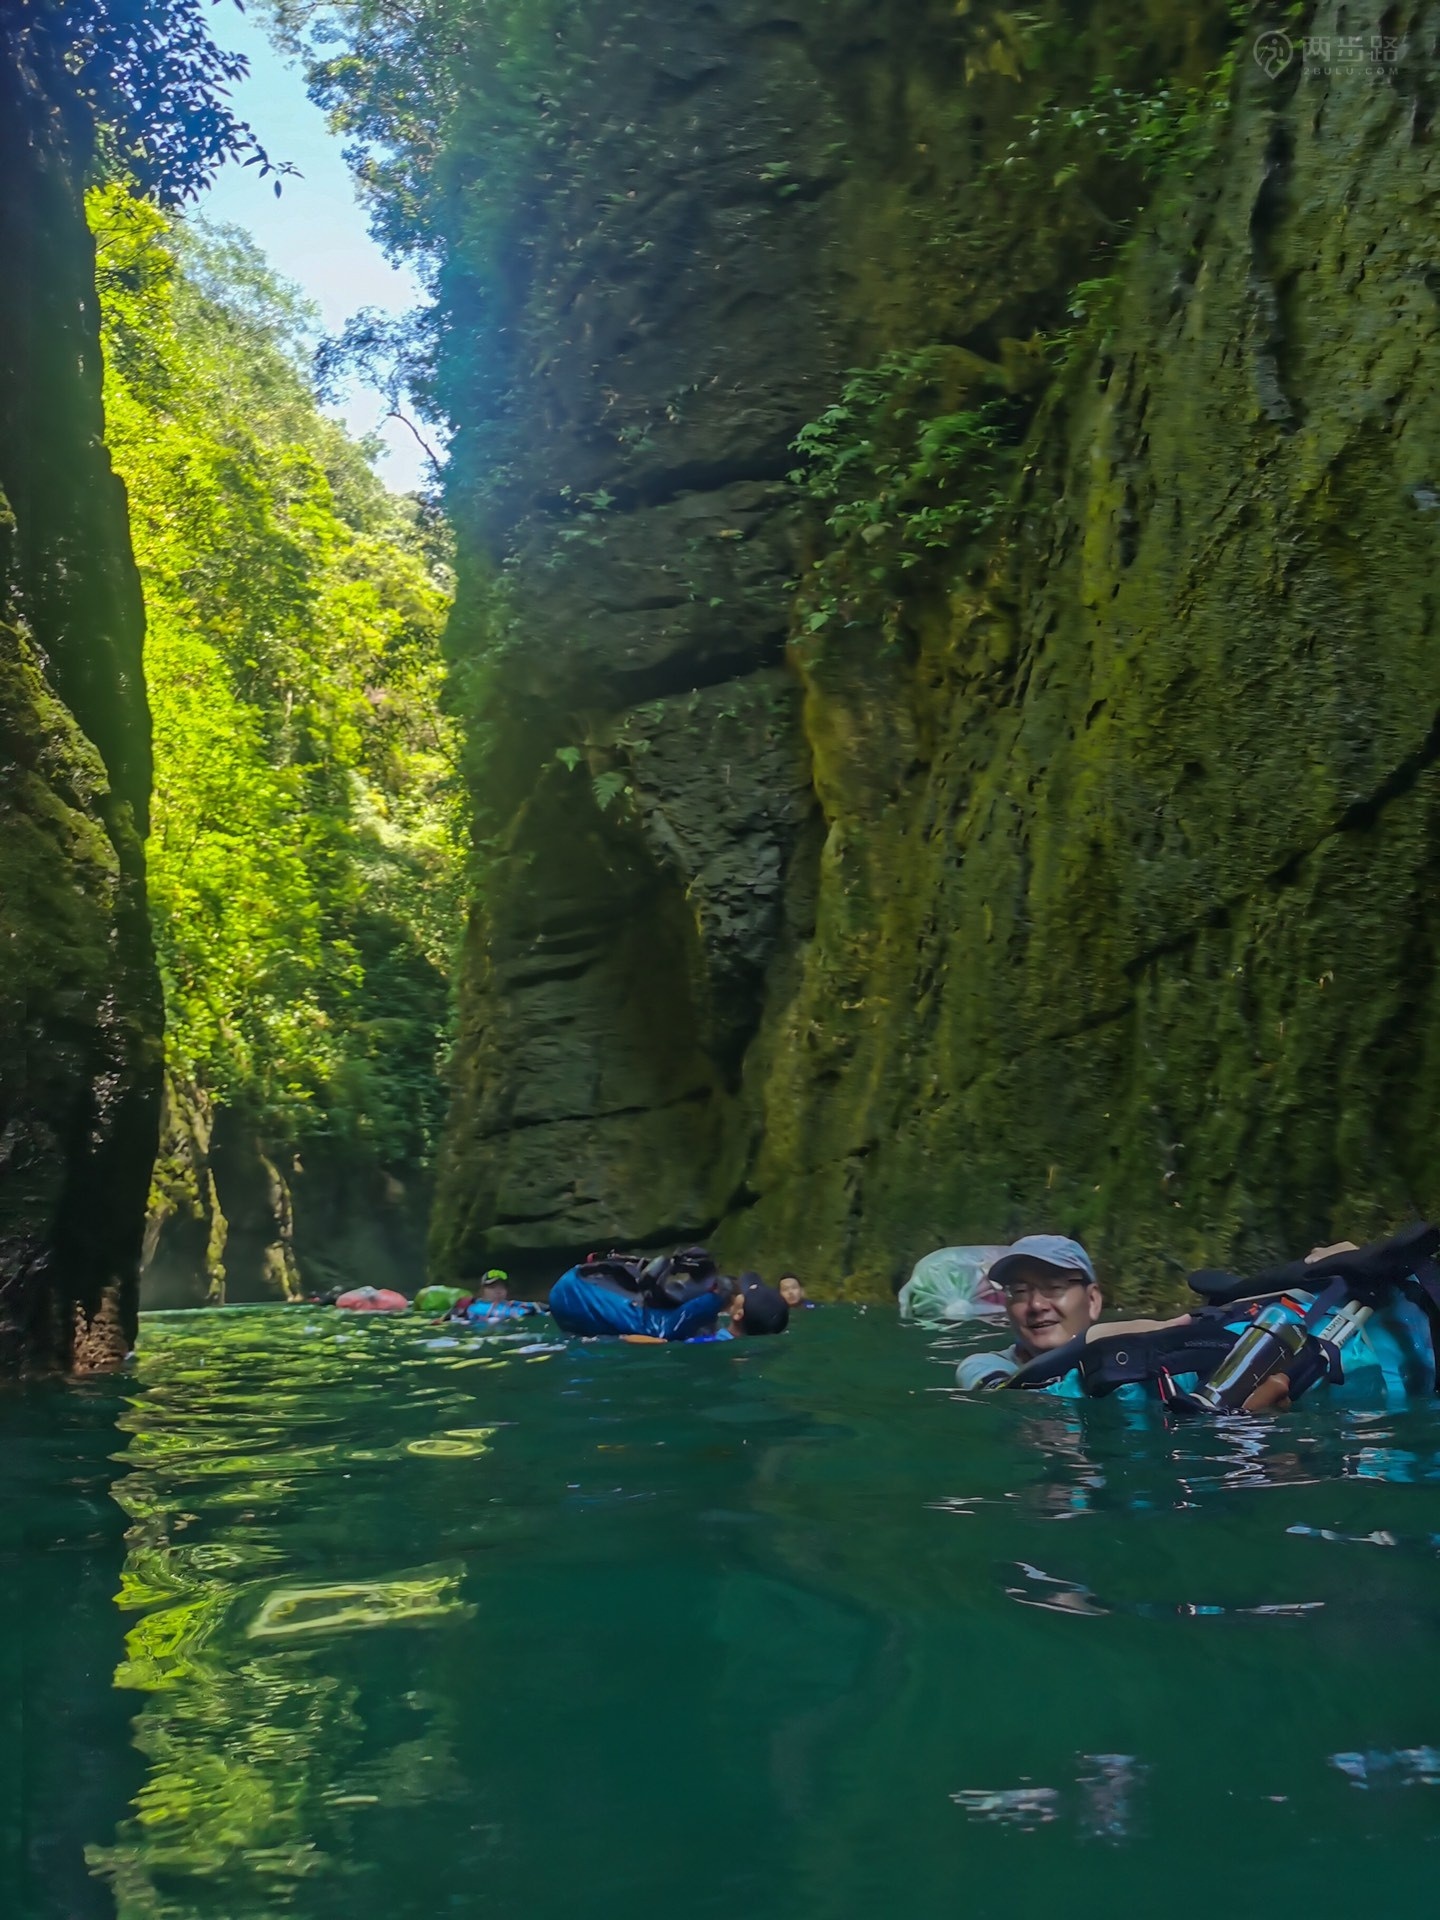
(365, 1603)
(422, 1624)
(1410, 1767)
(1101, 1803)
(1015, 1806)
(257, 1756)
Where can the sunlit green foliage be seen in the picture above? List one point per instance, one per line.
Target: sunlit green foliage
(876, 456)
(304, 857)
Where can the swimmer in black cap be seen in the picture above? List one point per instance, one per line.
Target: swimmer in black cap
(755, 1308)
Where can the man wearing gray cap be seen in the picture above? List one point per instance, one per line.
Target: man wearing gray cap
(1051, 1294)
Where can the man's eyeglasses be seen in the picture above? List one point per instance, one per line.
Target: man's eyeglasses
(1049, 1288)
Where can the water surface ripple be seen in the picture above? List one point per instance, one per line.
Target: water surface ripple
(417, 1623)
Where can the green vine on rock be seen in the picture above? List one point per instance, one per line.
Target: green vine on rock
(908, 462)
(1170, 127)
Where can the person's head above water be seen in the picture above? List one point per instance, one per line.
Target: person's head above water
(1050, 1290)
(791, 1291)
(495, 1286)
(755, 1308)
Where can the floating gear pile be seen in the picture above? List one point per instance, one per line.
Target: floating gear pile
(670, 1297)
(666, 1280)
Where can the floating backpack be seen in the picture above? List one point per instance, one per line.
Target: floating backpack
(666, 1281)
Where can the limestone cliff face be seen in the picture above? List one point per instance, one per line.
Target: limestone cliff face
(80, 1014)
(1079, 877)
(625, 616)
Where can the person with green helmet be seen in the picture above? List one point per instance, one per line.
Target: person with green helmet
(490, 1304)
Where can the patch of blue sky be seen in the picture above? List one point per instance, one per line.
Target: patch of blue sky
(315, 233)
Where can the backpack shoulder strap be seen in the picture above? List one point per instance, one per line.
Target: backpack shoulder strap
(1121, 1353)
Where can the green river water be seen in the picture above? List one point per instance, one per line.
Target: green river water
(413, 1624)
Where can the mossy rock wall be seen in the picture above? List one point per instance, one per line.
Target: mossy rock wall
(236, 1219)
(80, 1012)
(1088, 876)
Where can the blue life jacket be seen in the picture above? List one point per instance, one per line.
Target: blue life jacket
(494, 1313)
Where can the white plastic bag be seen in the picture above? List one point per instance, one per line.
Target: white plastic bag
(951, 1284)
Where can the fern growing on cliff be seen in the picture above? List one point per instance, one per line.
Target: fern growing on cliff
(910, 459)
